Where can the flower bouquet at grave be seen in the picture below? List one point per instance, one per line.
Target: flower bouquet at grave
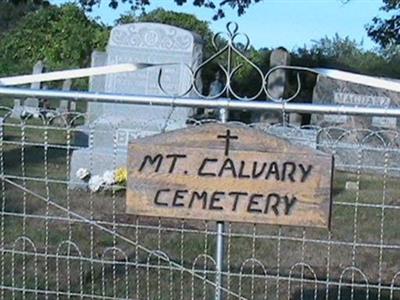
(110, 180)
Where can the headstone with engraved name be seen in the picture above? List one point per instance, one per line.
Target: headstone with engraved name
(110, 126)
(357, 137)
(154, 44)
(332, 91)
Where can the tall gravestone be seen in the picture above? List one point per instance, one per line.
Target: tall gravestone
(154, 44)
(277, 82)
(112, 125)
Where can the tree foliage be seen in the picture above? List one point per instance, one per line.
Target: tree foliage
(217, 5)
(12, 11)
(64, 37)
(182, 20)
(386, 31)
(346, 54)
(61, 36)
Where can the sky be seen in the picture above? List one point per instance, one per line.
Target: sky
(274, 23)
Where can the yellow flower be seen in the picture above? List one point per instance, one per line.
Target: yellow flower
(121, 175)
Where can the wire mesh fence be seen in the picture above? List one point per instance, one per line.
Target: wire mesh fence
(60, 240)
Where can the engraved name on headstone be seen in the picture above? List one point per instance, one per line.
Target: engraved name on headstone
(332, 91)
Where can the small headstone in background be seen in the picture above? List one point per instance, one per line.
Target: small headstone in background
(216, 88)
(351, 186)
(38, 68)
(30, 107)
(65, 104)
(72, 105)
(277, 82)
(17, 109)
(295, 119)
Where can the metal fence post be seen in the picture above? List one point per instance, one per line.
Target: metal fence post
(220, 255)
(219, 260)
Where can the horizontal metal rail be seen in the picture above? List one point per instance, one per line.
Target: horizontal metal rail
(266, 105)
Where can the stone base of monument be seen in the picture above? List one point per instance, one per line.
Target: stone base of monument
(295, 135)
(96, 162)
(366, 159)
(104, 146)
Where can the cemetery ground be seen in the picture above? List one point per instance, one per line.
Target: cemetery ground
(41, 154)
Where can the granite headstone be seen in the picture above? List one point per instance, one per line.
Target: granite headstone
(277, 82)
(65, 104)
(351, 135)
(30, 106)
(332, 91)
(109, 126)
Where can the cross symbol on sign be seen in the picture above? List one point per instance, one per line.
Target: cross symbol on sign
(228, 137)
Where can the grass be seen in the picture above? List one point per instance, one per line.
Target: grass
(274, 249)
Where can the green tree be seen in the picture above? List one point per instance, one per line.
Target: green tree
(61, 36)
(217, 5)
(11, 12)
(386, 31)
(345, 54)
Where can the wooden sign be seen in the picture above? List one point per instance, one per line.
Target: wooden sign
(229, 173)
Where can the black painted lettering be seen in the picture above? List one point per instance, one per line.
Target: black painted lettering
(305, 172)
(179, 194)
(215, 198)
(241, 170)
(174, 159)
(254, 202)
(289, 203)
(203, 165)
(266, 208)
(156, 200)
(274, 197)
(273, 170)
(198, 196)
(289, 168)
(236, 196)
(255, 173)
(228, 165)
(157, 160)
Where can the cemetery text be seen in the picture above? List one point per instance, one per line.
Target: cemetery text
(225, 184)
